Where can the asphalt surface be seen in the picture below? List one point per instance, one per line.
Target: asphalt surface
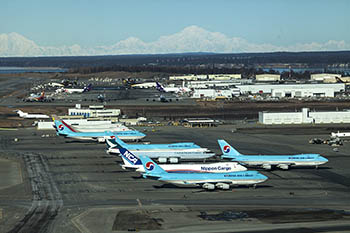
(71, 178)
(73, 186)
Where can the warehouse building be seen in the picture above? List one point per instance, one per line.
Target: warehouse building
(224, 76)
(267, 77)
(337, 80)
(302, 92)
(190, 77)
(324, 76)
(93, 111)
(215, 93)
(199, 122)
(193, 77)
(216, 83)
(305, 88)
(304, 117)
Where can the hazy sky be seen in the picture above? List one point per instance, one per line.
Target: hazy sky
(105, 22)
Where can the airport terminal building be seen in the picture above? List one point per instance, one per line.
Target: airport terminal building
(93, 111)
(304, 117)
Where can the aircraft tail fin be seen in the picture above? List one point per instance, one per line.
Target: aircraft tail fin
(20, 113)
(151, 167)
(63, 127)
(227, 150)
(117, 141)
(160, 87)
(129, 158)
(88, 88)
(42, 95)
(110, 142)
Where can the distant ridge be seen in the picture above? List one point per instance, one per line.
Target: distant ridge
(191, 39)
(182, 59)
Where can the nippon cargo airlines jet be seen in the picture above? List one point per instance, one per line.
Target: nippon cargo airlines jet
(268, 161)
(31, 115)
(115, 143)
(68, 131)
(133, 162)
(208, 181)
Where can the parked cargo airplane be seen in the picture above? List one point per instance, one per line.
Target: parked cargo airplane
(100, 128)
(78, 90)
(133, 162)
(68, 131)
(340, 135)
(267, 161)
(188, 146)
(35, 98)
(166, 155)
(172, 89)
(31, 115)
(208, 181)
(163, 156)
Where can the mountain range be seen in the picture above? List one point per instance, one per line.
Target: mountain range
(190, 39)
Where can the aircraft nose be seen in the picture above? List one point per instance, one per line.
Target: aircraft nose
(262, 177)
(323, 159)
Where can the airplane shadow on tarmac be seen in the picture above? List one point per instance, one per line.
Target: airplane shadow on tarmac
(172, 186)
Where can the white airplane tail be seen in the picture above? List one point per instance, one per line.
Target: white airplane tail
(21, 114)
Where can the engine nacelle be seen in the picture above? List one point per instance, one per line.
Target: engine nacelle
(173, 160)
(283, 166)
(101, 140)
(266, 166)
(223, 186)
(162, 160)
(208, 186)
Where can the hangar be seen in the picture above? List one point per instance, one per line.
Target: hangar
(304, 117)
(267, 88)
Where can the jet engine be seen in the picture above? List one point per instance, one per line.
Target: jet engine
(223, 186)
(283, 166)
(266, 166)
(162, 160)
(101, 139)
(208, 186)
(173, 160)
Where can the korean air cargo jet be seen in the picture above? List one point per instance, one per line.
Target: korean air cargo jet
(172, 156)
(68, 131)
(133, 162)
(268, 161)
(114, 143)
(208, 181)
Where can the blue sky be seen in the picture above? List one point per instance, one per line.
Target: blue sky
(105, 22)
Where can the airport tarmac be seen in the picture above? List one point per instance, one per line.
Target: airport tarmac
(72, 186)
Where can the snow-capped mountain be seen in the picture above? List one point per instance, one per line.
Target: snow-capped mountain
(190, 39)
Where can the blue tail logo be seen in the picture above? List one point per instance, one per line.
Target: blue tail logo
(131, 158)
(61, 127)
(159, 87)
(149, 166)
(227, 149)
